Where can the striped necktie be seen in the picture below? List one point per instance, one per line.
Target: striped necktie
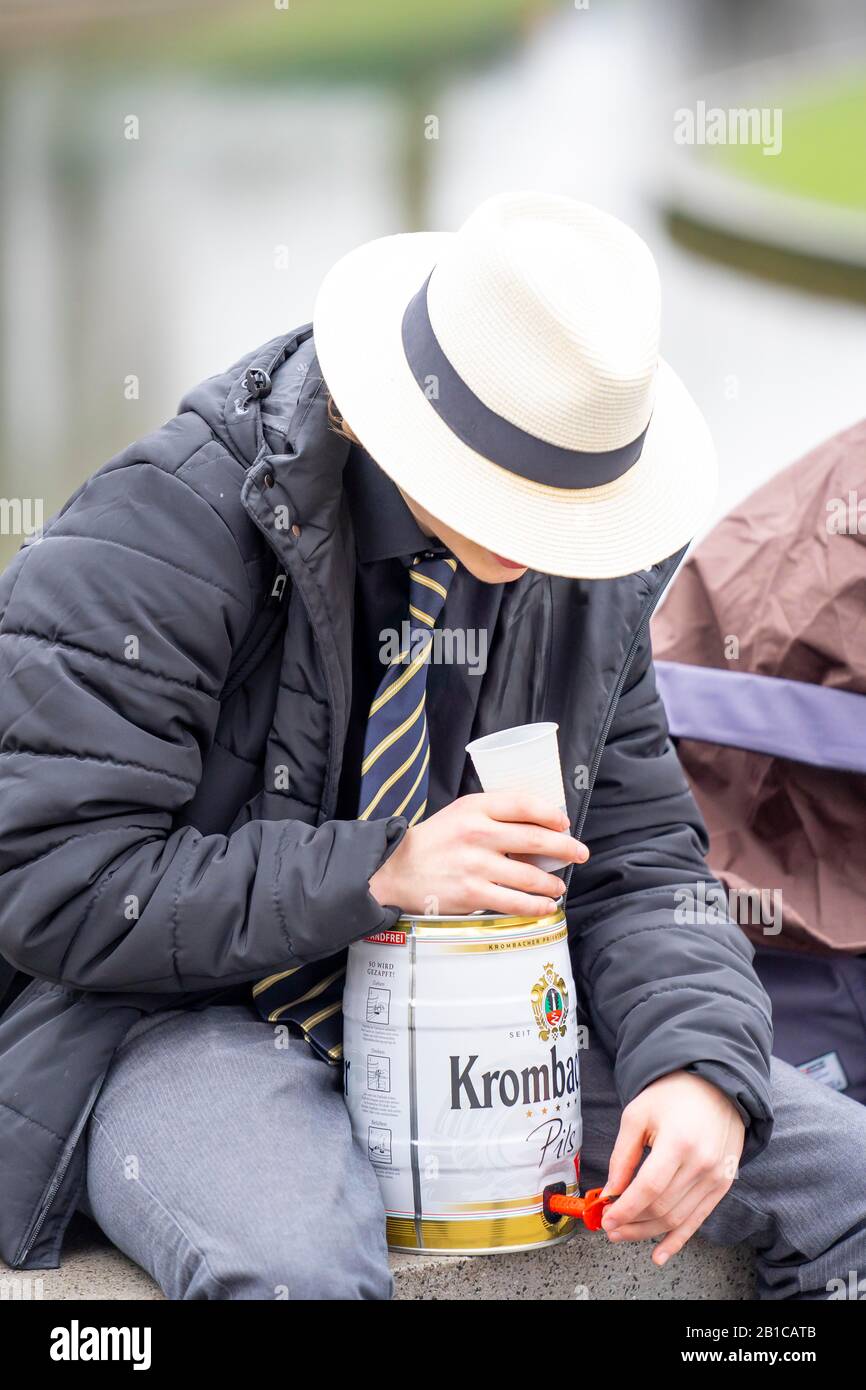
(395, 774)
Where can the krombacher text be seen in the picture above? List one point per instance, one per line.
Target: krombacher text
(548, 1081)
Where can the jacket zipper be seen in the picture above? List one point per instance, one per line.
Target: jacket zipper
(60, 1173)
(329, 798)
(300, 577)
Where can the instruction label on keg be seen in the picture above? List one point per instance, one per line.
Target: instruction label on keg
(379, 1144)
(378, 1072)
(379, 1006)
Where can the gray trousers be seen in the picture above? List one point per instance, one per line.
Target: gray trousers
(226, 1167)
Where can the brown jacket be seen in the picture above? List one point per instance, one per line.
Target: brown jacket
(781, 576)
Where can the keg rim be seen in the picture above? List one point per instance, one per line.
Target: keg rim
(484, 921)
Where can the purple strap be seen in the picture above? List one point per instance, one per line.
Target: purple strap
(766, 714)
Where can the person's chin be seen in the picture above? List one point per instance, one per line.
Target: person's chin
(490, 570)
(507, 570)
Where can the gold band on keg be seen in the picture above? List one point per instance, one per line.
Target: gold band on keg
(501, 1205)
(484, 1233)
(463, 926)
(447, 946)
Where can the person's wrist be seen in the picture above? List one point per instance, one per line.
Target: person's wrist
(382, 885)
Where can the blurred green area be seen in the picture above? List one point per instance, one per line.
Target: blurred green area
(823, 153)
(316, 40)
(265, 127)
(109, 302)
(408, 47)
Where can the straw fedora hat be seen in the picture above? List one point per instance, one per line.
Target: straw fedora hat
(507, 377)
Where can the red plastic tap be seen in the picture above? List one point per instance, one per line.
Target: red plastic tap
(588, 1209)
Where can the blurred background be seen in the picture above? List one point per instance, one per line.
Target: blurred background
(177, 175)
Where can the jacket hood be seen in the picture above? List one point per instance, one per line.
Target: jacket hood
(249, 406)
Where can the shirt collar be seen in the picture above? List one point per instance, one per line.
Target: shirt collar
(385, 528)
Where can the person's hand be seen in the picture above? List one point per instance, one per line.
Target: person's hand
(696, 1137)
(457, 861)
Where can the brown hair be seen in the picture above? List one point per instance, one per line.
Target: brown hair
(338, 424)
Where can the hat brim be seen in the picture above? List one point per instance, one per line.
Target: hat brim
(641, 518)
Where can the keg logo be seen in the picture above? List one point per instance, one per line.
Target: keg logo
(549, 1000)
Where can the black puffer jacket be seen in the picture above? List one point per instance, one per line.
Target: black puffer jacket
(172, 719)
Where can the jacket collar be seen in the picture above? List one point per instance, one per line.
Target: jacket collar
(294, 494)
(385, 528)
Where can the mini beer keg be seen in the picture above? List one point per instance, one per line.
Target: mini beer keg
(462, 1079)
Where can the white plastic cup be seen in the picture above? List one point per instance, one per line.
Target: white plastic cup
(522, 759)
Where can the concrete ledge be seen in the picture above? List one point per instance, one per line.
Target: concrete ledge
(586, 1267)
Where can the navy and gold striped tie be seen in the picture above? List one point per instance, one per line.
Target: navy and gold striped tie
(395, 774)
(396, 766)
